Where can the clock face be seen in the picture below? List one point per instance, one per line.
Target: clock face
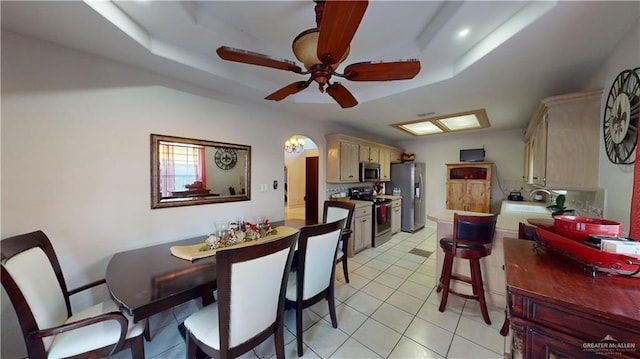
(226, 158)
(621, 115)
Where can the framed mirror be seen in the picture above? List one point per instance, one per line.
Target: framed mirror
(186, 172)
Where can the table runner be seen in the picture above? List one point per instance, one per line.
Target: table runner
(193, 252)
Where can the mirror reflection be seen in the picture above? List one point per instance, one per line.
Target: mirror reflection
(189, 172)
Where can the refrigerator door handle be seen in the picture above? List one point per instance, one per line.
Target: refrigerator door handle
(418, 186)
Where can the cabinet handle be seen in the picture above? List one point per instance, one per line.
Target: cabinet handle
(351, 176)
(534, 177)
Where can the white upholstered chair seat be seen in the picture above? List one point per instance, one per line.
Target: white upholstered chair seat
(94, 336)
(203, 324)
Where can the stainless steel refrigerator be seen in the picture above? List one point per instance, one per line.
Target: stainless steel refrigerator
(409, 178)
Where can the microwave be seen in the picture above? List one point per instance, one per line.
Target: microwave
(369, 172)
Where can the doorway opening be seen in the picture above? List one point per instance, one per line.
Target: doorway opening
(301, 180)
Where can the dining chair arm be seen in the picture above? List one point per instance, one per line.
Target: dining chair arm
(34, 337)
(87, 286)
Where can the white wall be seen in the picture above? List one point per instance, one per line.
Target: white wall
(504, 148)
(75, 157)
(617, 179)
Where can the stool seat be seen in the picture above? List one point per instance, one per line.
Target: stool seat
(471, 240)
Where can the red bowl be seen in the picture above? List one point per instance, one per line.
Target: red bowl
(579, 228)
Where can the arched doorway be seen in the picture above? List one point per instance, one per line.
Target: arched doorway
(301, 187)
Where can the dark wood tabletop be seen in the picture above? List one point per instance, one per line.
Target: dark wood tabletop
(548, 276)
(150, 280)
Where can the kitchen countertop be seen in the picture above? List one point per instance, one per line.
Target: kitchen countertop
(508, 222)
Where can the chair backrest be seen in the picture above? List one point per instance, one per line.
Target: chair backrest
(317, 246)
(473, 230)
(527, 232)
(251, 284)
(335, 210)
(33, 280)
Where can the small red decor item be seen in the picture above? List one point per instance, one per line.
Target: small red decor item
(579, 228)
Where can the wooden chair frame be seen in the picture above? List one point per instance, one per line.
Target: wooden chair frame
(33, 335)
(327, 293)
(224, 261)
(346, 233)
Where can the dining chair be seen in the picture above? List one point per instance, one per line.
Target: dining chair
(314, 275)
(251, 282)
(33, 280)
(333, 211)
(472, 240)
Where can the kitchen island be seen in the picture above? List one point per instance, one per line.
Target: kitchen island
(493, 265)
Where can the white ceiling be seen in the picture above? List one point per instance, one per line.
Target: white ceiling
(517, 52)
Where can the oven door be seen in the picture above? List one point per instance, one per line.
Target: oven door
(382, 223)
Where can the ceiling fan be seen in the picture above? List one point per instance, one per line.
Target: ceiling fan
(322, 49)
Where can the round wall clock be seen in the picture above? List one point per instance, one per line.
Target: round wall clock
(621, 114)
(226, 158)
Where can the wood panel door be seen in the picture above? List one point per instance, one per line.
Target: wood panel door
(311, 189)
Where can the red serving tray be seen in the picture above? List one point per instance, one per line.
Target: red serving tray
(602, 261)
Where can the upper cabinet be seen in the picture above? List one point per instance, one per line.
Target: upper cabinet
(562, 142)
(369, 153)
(344, 154)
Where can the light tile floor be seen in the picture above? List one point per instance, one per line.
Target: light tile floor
(388, 310)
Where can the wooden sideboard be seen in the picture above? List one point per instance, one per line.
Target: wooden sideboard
(558, 310)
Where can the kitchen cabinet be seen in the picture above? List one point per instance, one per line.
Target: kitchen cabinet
(369, 153)
(385, 165)
(563, 137)
(562, 311)
(527, 170)
(395, 156)
(362, 228)
(396, 215)
(469, 186)
(344, 154)
(342, 161)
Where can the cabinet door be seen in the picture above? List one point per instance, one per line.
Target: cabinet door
(540, 154)
(477, 196)
(364, 153)
(396, 216)
(349, 164)
(396, 156)
(385, 165)
(455, 195)
(374, 154)
(527, 171)
(362, 233)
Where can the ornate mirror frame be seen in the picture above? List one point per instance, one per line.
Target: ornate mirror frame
(224, 163)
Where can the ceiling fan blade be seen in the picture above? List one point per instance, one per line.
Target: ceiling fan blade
(342, 96)
(382, 71)
(340, 20)
(254, 58)
(290, 89)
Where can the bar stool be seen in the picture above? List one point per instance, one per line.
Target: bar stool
(472, 239)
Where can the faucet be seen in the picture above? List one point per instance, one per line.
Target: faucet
(540, 190)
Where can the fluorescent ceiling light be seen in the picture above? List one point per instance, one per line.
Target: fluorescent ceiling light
(463, 121)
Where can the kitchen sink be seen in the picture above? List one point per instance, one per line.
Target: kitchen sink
(524, 207)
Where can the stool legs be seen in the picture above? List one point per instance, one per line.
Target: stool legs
(445, 280)
(478, 288)
(476, 284)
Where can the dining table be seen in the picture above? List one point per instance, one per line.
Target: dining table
(150, 280)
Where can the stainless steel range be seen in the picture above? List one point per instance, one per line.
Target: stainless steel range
(381, 224)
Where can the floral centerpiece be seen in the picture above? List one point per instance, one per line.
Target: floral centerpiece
(241, 232)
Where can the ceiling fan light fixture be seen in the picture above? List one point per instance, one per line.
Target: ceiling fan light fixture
(305, 48)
